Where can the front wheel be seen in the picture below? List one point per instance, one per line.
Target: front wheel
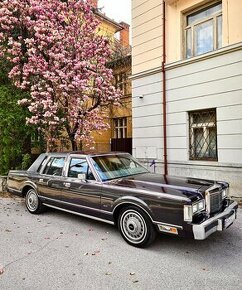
(33, 202)
(136, 227)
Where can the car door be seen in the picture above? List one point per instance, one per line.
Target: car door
(82, 195)
(51, 178)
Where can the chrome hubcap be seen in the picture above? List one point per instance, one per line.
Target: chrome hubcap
(32, 200)
(133, 226)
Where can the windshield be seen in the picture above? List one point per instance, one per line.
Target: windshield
(116, 166)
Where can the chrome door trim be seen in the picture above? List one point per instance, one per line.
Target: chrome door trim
(76, 205)
(79, 214)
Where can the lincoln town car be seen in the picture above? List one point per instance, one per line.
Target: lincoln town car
(115, 188)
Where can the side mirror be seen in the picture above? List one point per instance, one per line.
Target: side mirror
(82, 176)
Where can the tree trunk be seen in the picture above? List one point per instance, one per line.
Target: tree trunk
(73, 144)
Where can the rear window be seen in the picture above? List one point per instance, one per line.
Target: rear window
(55, 166)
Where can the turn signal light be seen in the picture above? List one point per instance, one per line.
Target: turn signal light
(168, 229)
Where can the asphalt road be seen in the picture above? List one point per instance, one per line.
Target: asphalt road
(57, 250)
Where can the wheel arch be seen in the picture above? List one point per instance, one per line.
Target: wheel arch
(27, 187)
(130, 201)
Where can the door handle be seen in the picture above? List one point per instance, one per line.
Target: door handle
(67, 184)
(41, 180)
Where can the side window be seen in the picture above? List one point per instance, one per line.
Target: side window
(55, 166)
(79, 166)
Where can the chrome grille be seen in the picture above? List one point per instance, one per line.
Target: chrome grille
(216, 202)
(214, 199)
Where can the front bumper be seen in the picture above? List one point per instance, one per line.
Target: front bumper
(216, 223)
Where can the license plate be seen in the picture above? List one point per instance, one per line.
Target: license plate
(228, 221)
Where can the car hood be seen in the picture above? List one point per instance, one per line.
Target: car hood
(178, 186)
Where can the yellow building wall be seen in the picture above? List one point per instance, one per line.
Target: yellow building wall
(232, 23)
(107, 29)
(147, 29)
(102, 139)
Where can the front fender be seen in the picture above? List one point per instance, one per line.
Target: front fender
(131, 200)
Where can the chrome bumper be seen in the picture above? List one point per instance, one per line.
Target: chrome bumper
(217, 223)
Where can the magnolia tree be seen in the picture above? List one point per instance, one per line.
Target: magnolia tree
(57, 56)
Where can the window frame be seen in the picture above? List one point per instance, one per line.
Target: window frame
(122, 82)
(45, 163)
(192, 148)
(42, 164)
(215, 28)
(122, 127)
(89, 169)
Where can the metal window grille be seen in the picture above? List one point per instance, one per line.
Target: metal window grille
(203, 30)
(120, 128)
(203, 135)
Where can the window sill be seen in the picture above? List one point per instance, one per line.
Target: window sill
(212, 54)
(206, 164)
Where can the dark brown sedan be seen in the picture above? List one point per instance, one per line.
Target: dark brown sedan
(115, 188)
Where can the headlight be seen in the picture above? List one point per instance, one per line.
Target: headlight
(198, 206)
(190, 210)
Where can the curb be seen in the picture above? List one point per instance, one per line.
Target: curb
(3, 183)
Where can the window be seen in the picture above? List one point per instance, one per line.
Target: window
(120, 128)
(203, 31)
(121, 82)
(203, 135)
(117, 166)
(55, 166)
(79, 166)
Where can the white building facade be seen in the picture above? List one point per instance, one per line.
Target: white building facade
(195, 47)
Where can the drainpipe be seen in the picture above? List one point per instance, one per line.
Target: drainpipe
(164, 86)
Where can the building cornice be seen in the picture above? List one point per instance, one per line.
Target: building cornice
(171, 2)
(103, 17)
(180, 63)
(146, 73)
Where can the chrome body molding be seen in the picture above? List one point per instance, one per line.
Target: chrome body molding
(213, 224)
(15, 191)
(79, 214)
(74, 205)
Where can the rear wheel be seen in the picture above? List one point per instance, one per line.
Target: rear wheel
(136, 227)
(33, 202)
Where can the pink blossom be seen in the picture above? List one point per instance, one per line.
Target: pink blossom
(61, 61)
